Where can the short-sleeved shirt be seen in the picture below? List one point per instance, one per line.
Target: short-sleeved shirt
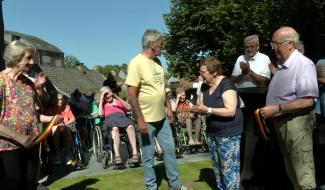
(295, 78)
(222, 126)
(17, 110)
(149, 77)
(259, 64)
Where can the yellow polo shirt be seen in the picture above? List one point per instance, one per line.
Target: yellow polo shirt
(149, 77)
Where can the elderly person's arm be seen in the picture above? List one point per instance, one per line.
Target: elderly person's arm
(39, 84)
(175, 104)
(125, 103)
(229, 98)
(293, 106)
(101, 104)
(170, 113)
(240, 70)
(132, 94)
(261, 80)
(237, 78)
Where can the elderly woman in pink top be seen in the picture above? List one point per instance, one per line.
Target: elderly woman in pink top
(114, 109)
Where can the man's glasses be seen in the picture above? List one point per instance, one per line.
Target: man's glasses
(278, 44)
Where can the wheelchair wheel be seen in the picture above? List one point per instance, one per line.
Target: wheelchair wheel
(107, 158)
(179, 146)
(180, 139)
(205, 147)
(97, 143)
(183, 140)
(77, 148)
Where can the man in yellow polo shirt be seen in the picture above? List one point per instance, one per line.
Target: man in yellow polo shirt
(146, 94)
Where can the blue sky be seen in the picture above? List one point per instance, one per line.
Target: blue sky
(97, 32)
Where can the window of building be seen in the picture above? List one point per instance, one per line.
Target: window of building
(46, 60)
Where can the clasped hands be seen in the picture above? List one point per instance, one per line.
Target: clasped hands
(245, 68)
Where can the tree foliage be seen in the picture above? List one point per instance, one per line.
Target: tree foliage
(200, 28)
(105, 69)
(117, 68)
(71, 61)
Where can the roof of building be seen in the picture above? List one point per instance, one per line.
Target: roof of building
(33, 40)
(173, 79)
(66, 80)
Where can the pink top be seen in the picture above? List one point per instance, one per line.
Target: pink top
(115, 107)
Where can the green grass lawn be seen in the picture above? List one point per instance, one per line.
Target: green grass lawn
(198, 174)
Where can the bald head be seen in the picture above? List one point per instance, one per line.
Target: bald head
(287, 33)
(284, 42)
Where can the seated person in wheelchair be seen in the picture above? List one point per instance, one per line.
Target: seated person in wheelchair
(62, 108)
(79, 106)
(114, 110)
(93, 109)
(185, 117)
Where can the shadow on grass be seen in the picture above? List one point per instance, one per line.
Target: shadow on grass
(207, 175)
(56, 172)
(82, 185)
(160, 173)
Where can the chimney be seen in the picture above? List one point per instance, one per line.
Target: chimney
(81, 68)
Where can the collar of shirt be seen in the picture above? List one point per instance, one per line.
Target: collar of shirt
(251, 58)
(288, 62)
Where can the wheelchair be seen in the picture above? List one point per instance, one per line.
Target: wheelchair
(97, 142)
(76, 146)
(181, 139)
(95, 137)
(107, 148)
